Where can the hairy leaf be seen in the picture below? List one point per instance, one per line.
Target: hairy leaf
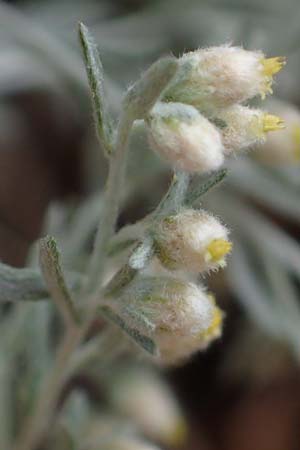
(142, 340)
(19, 285)
(55, 280)
(142, 96)
(202, 187)
(175, 195)
(94, 71)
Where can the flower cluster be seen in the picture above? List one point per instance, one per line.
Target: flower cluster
(202, 117)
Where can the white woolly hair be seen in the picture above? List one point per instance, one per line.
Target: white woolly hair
(185, 138)
(218, 77)
(182, 240)
(244, 128)
(182, 313)
(186, 346)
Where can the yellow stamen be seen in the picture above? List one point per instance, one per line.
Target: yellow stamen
(271, 66)
(216, 324)
(217, 249)
(296, 140)
(272, 123)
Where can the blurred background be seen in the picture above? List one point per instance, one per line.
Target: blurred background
(244, 392)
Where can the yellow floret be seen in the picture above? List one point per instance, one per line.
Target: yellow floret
(271, 66)
(217, 249)
(215, 327)
(272, 123)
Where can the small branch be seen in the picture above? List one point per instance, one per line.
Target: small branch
(175, 195)
(126, 237)
(137, 103)
(37, 425)
(111, 204)
(108, 343)
(55, 281)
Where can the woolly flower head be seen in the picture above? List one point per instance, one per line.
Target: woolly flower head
(142, 395)
(282, 148)
(192, 240)
(182, 136)
(244, 127)
(218, 77)
(185, 318)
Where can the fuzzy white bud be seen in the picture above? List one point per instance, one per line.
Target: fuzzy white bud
(282, 147)
(192, 240)
(143, 396)
(186, 318)
(244, 127)
(218, 77)
(186, 139)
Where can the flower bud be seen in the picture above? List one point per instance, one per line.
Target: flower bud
(192, 240)
(182, 136)
(184, 317)
(218, 77)
(144, 397)
(283, 147)
(245, 127)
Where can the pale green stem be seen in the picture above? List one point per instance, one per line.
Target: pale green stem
(38, 423)
(102, 349)
(110, 210)
(66, 364)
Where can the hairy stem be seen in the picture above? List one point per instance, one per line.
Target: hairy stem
(110, 210)
(33, 431)
(38, 423)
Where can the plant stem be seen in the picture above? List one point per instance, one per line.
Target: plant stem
(109, 214)
(38, 423)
